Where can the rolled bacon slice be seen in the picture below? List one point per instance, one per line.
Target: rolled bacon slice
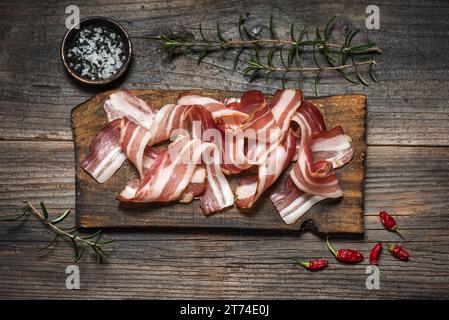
(106, 155)
(124, 104)
(308, 120)
(293, 203)
(317, 178)
(333, 146)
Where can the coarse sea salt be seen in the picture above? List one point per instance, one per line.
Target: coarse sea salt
(96, 52)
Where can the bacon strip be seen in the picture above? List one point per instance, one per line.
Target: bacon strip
(284, 105)
(133, 141)
(333, 146)
(150, 155)
(105, 156)
(196, 186)
(317, 178)
(216, 108)
(250, 188)
(308, 120)
(175, 171)
(293, 203)
(124, 104)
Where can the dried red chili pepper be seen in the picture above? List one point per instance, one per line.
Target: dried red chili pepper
(346, 255)
(313, 265)
(398, 252)
(389, 222)
(375, 252)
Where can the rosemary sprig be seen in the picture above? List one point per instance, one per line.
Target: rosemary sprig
(335, 55)
(78, 242)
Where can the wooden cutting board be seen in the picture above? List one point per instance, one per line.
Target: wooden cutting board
(96, 205)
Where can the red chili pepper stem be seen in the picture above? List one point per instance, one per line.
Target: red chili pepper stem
(396, 229)
(297, 261)
(302, 263)
(314, 265)
(330, 247)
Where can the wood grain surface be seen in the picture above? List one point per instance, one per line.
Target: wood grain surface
(407, 158)
(96, 205)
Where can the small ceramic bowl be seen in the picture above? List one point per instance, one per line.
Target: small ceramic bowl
(96, 21)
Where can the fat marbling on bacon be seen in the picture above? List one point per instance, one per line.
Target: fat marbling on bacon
(105, 156)
(217, 137)
(312, 178)
(176, 169)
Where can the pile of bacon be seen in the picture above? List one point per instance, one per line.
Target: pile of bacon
(184, 151)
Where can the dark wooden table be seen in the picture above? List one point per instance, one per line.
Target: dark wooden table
(407, 160)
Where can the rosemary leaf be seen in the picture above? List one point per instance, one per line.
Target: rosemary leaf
(362, 81)
(345, 76)
(371, 72)
(106, 242)
(69, 230)
(272, 33)
(80, 252)
(351, 36)
(241, 22)
(284, 80)
(219, 34)
(51, 243)
(298, 55)
(328, 28)
(303, 33)
(267, 75)
(248, 70)
(291, 53)
(75, 248)
(99, 256)
(202, 34)
(270, 58)
(237, 56)
(318, 34)
(292, 32)
(315, 58)
(104, 253)
(44, 210)
(6, 219)
(61, 217)
(362, 47)
(317, 82)
(281, 55)
(248, 33)
(201, 56)
(93, 235)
